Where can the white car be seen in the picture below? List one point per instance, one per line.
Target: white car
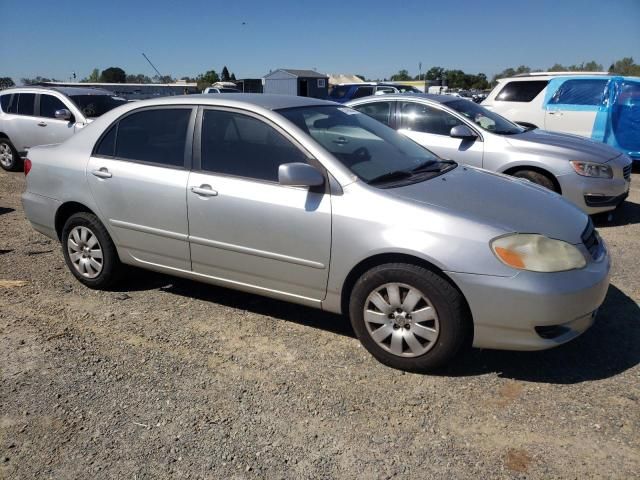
(596, 105)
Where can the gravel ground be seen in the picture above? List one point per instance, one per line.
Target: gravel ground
(171, 378)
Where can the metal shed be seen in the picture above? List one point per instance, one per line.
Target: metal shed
(304, 83)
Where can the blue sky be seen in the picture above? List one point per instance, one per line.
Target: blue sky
(375, 38)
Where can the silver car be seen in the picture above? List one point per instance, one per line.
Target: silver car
(34, 115)
(315, 203)
(594, 176)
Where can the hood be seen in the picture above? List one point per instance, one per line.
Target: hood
(503, 202)
(573, 147)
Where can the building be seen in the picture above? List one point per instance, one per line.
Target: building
(304, 83)
(249, 85)
(135, 91)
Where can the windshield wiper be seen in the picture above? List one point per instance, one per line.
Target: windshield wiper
(390, 176)
(432, 166)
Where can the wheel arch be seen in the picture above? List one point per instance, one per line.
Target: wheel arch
(65, 211)
(535, 168)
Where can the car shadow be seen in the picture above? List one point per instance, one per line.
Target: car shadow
(611, 346)
(608, 348)
(626, 214)
(4, 210)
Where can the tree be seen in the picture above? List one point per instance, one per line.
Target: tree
(113, 75)
(233, 77)
(225, 74)
(510, 72)
(207, 79)
(401, 76)
(38, 79)
(434, 73)
(163, 79)
(591, 66)
(6, 82)
(139, 78)
(626, 66)
(362, 77)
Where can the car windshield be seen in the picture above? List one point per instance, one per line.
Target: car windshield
(93, 106)
(485, 119)
(374, 152)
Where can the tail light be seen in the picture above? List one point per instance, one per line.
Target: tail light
(27, 166)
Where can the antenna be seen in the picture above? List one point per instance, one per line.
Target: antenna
(152, 65)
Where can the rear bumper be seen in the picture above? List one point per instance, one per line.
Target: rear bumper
(534, 311)
(41, 212)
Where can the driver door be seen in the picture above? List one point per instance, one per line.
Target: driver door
(430, 127)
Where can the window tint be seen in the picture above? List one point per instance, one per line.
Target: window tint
(580, 92)
(5, 101)
(93, 106)
(363, 92)
(339, 91)
(422, 118)
(107, 145)
(236, 144)
(381, 111)
(26, 102)
(49, 104)
(156, 136)
(521, 91)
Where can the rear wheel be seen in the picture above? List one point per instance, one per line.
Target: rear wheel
(538, 178)
(408, 317)
(89, 251)
(9, 158)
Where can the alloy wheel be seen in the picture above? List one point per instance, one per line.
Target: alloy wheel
(6, 155)
(85, 252)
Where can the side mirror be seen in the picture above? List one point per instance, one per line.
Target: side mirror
(462, 131)
(63, 114)
(299, 175)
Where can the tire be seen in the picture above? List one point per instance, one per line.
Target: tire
(84, 240)
(448, 331)
(537, 178)
(9, 158)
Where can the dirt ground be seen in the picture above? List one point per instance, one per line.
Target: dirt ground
(167, 378)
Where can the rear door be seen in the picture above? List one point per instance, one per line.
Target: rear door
(574, 104)
(431, 127)
(244, 227)
(51, 129)
(138, 177)
(22, 128)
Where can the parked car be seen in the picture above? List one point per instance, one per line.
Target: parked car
(314, 203)
(32, 116)
(220, 90)
(599, 106)
(345, 92)
(594, 176)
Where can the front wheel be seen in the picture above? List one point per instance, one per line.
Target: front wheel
(537, 178)
(408, 317)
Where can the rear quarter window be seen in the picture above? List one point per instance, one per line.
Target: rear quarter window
(521, 91)
(5, 101)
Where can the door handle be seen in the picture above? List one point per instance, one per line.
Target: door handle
(42, 124)
(554, 112)
(341, 141)
(204, 190)
(102, 173)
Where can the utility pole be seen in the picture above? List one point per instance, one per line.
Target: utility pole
(152, 65)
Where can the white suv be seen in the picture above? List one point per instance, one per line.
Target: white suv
(31, 116)
(596, 105)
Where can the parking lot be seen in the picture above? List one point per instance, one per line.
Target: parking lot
(168, 377)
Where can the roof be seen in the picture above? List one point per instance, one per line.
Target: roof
(409, 96)
(69, 91)
(299, 73)
(107, 85)
(539, 74)
(264, 100)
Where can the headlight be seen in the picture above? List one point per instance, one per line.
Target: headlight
(537, 253)
(590, 169)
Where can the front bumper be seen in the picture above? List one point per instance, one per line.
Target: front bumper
(507, 310)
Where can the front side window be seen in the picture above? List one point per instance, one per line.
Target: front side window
(381, 111)
(374, 152)
(26, 103)
(485, 119)
(93, 106)
(521, 91)
(419, 117)
(154, 136)
(363, 92)
(244, 146)
(580, 92)
(49, 104)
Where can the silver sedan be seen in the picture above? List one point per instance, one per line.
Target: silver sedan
(594, 176)
(315, 203)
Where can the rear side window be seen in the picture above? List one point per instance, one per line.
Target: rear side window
(49, 104)
(107, 146)
(363, 92)
(521, 91)
(580, 92)
(154, 136)
(26, 102)
(243, 146)
(5, 101)
(381, 111)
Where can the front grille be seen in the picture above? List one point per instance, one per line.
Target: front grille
(626, 172)
(590, 239)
